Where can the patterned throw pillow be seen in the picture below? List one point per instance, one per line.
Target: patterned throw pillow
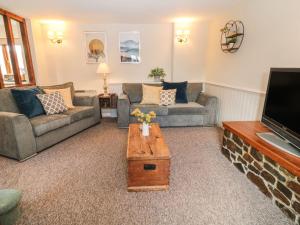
(167, 97)
(53, 103)
(65, 92)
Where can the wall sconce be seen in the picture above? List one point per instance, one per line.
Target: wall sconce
(183, 36)
(56, 37)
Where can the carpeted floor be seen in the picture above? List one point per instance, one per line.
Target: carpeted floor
(82, 181)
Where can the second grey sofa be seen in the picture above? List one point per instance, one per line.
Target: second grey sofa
(201, 109)
(22, 137)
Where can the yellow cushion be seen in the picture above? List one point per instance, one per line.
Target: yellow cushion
(66, 93)
(151, 94)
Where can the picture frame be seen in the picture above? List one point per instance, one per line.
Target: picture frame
(95, 47)
(130, 47)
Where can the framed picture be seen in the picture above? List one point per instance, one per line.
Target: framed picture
(96, 48)
(129, 47)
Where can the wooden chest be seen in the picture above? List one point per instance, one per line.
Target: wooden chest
(148, 160)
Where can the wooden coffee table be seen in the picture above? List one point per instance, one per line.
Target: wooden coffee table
(148, 160)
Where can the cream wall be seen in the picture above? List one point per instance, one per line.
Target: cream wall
(272, 35)
(189, 59)
(37, 47)
(239, 80)
(66, 62)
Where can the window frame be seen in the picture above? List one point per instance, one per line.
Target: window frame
(7, 17)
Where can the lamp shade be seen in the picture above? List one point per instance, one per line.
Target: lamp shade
(103, 68)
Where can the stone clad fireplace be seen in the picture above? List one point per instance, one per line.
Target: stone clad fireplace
(276, 182)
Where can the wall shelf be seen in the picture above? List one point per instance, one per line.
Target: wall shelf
(232, 36)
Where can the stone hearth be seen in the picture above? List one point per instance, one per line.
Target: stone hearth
(278, 184)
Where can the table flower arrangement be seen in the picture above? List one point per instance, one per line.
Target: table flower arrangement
(145, 119)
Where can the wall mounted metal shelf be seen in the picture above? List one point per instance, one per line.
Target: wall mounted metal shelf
(232, 36)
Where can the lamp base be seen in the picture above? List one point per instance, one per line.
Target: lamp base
(105, 86)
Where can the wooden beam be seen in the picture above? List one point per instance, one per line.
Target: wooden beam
(7, 18)
(11, 15)
(1, 80)
(12, 50)
(27, 52)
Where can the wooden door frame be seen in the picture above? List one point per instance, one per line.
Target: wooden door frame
(7, 17)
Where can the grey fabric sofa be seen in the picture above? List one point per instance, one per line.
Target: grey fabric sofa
(22, 138)
(201, 110)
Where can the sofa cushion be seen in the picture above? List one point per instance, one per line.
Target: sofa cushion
(44, 124)
(8, 103)
(193, 91)
(80, 112)
(61, 86)
(167, 97)
(66, 94)
(151, 94)
(53, 103)
(27, 102)
(180, 87)
(191, 108)
(159, 110)
(134, 91)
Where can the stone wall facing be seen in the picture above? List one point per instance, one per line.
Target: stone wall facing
(281, 186)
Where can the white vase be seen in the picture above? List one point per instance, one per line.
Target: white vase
(145, 129)
(156, 79)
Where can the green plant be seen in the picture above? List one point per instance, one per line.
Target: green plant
(157, 72)
(231, 40)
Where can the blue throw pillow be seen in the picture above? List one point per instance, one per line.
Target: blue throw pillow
(180, 87)
(27, 102)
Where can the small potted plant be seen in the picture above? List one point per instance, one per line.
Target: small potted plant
(144, 118)
(157, 73)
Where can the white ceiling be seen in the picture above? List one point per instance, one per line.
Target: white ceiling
(117, 11)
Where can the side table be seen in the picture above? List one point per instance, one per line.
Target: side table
(108, 101)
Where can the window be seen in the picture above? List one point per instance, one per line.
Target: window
(15, 59)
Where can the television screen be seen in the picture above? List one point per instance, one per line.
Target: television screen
(282, 104)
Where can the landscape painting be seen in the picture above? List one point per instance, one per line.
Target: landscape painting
(130, 47)
(95, 47)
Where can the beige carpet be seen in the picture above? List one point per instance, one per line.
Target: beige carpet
(82, 181)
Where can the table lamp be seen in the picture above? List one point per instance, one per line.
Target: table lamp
(104, 69)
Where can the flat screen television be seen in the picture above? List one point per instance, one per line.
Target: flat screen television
(282, 105)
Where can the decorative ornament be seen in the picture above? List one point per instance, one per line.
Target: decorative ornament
(232, 36)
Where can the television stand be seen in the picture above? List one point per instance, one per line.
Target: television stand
(279, 142)
(275, 172)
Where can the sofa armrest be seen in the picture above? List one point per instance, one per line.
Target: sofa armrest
(80, 100)
(211, 104)
(123, 110)
(17, 139)
(88, 100)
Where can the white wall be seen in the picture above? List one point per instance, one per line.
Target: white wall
(189, 59)
(67, 62)
(37, 47)
(272, 35)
